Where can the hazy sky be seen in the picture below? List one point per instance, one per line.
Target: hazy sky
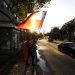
(58, 13)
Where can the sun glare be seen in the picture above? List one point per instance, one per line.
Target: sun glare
(33, 28)
(58, 13)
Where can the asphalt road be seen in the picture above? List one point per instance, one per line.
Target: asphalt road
(51, 61)
(54, 62)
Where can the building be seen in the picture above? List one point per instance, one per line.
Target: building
(7, 14)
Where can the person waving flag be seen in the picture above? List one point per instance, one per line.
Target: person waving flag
(34, 21)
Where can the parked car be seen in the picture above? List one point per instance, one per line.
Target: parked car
(50, 39)
(68, 48)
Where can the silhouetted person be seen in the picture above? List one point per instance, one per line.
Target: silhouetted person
(32, 47)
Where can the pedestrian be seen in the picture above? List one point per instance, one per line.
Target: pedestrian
(26, 50)
(32, 48)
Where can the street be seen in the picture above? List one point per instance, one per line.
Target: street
(51, 61)
(58, 63)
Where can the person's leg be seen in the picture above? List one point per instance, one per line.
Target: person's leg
(34, 59)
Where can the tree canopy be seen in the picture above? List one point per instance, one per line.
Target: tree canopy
(26, 6)
(54, 30)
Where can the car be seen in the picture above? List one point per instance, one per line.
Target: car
(68, 48)
(50, 39)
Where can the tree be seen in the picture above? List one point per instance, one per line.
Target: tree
(25, 6)
(68, 30)
(55, 30)
(55, 34)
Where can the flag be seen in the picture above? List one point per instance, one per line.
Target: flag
(33, 21)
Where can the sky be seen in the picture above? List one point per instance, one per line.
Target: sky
(58, 13)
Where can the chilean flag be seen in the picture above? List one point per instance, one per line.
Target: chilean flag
(33, 21)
